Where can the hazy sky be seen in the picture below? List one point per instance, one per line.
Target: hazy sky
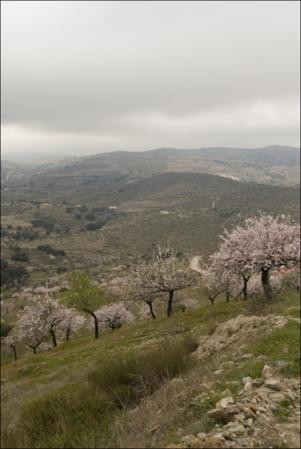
(87, 77)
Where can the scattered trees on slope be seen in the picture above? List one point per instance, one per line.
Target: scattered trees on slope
(260, 245)
(165, 274)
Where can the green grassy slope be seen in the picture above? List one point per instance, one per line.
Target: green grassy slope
(66, 397)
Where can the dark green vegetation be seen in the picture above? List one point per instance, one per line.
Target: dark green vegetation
(75, 395)
(112, 209)
(50, 250)
(11, 275)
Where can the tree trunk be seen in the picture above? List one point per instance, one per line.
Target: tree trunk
(68, 331)
(245, 289)
(169, 307)
(227, 296)
(150, 305)
(53, 336)
(265, 279)
(212, 301)
(34, 350)
(14, 352)
(96, 328)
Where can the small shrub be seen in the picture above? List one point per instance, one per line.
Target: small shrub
(130, 377)
(61, 418)
(118, 378)
(283, 410)
(20, 257)
(90, 216)
(50, 250)
(43, 223)
(25, 234)
(94, 226)
(3, 232)
(12, 274)
(5, 329)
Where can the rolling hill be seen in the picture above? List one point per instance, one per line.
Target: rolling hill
(276, 165)
(108, 222)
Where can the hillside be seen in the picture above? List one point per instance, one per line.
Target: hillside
(275, 165)
(105, 224)
(245, 395)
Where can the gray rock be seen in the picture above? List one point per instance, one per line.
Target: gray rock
(281, 364)
(267, 372)
(248, 386)
(232, 430)
(246, 379)
(224, 414)
(223, 403)
(246, 356)
(273, 384)
(258, 383)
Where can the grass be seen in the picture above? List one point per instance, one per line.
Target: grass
(282, 344)
(251, 368)
(61, 418)
(132, 376)
(284, 410)
(74, 395)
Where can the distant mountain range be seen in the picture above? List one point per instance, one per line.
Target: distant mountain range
(275, 165)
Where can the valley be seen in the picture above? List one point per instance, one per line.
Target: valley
(111, 209)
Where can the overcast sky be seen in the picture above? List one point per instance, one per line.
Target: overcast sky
(88, 77)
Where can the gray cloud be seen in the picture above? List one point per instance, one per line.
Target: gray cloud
(82, 77)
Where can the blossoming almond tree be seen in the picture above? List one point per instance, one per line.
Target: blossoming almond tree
(262, 244)
(164, 275)
(10, 342)
(275, 242)
(113, 316)
(71, 322)
(40, 318)
(233, 259)
(133, 291)
(30, 326)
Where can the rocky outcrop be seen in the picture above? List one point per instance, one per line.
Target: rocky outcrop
(236, 330)
(265, 414)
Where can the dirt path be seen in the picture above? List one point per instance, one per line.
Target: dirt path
(194, 264)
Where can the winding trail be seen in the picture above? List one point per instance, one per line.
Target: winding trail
(194, 264)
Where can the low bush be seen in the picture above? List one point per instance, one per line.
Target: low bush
(5, 329)
(12, 274)
(50, 250)
(20, 256)
(130, 377)
(25, 234)
(94, 226)
(90, 216)
(61, 419)
(80, 414)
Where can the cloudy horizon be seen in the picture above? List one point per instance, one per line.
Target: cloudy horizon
(81, 78)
